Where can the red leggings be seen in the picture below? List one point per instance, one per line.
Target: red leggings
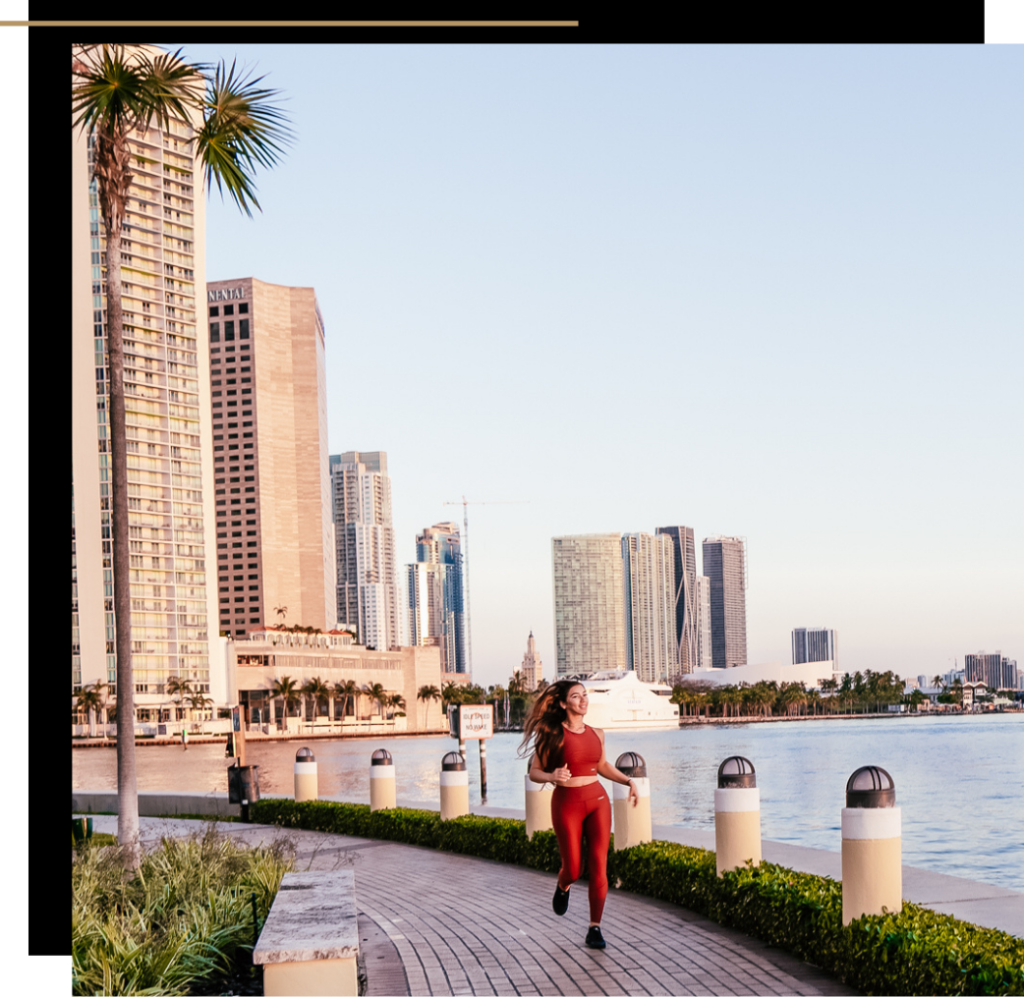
(575, 811)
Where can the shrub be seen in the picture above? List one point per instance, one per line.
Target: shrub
(182, 924)
(915, 951)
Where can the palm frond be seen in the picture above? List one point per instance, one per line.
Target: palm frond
(243, 129)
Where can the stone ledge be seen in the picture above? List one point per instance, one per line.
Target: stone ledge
(313, 917)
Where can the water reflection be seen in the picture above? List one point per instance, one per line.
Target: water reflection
(958, 779)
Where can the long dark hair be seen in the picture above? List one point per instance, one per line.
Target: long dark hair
(544, 724)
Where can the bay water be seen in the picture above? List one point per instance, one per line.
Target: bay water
(959, 779)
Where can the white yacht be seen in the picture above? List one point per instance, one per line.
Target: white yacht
(620, 701)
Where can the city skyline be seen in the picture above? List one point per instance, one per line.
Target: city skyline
(837, 246)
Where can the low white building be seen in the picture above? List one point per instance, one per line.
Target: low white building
(810, 673)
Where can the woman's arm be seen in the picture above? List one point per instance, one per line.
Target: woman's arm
(558, 777)
(609, 771)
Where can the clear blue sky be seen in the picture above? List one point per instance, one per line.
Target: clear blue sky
(771, 292)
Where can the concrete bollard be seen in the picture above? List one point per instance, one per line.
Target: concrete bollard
(305, 776)
(538, 806)
(632, 824)
(382, 780)
(872, 845)
(454, 786)
(737, 816)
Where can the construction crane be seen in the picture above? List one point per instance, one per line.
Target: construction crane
(465, 568)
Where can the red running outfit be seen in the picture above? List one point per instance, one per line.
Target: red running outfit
(579, 810)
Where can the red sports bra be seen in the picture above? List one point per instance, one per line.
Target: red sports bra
(580, 752)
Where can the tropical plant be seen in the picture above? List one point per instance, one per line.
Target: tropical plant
(376, 694)
(427, 694)
(395, 702)
(199, 702)
(451, 694)
(285, 689)
(90, 699)
(116, 90)
(319, 690)
(180, 687)
(347, 691)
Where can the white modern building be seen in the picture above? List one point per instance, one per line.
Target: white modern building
(652, 650)
(367, 595)
(590, 615)
(702, 623)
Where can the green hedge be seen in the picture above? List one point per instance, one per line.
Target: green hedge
(917, 951)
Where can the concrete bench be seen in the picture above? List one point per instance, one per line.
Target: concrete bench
(310, 941)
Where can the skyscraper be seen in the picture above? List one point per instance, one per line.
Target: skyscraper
(815, 644)
(171, 511)
(531, 671)
(275, 531)
(702, 625)
(437, 575)
(366, 591)
(649, 603)
(988, 668)
(590, 617)
(685, 593)
(724, 565)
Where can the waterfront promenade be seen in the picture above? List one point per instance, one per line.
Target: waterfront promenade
(435, 923)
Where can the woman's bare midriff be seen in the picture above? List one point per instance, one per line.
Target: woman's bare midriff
(578, 780)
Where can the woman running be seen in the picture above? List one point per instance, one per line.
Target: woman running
(571, 755)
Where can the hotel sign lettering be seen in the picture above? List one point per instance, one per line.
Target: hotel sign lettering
(226, 294)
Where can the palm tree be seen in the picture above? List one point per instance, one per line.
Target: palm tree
(90, 700)
(395, 703)
(199, 702)
(451, 694)
(347, 691)
(282, 612)
(116, 90)
(319, 690)
(181, 688)
(285, 689)
(376, 694)
(426, 694)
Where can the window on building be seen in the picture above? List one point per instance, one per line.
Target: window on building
(243, 328)
(229, 309)
(215, 332)
(214, 310)
(243, 308)
(229, 331)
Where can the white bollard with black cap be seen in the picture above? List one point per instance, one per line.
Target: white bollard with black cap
(454, 786)
(737, 815)
(872, 845)
(538, 805)
(382, 780)
(305, 776)
(632, 824)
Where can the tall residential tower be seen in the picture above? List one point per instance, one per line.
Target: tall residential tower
(724, 564)
(435, 593)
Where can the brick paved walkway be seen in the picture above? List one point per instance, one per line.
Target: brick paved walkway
(435, 923)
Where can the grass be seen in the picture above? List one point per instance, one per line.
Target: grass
(183, 925)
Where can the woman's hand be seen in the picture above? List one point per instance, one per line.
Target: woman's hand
(561, 776)
(634, 796)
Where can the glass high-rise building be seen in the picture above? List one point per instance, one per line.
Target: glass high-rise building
(815, 644)
(435, 595)
(268, 390)
(724, 564)
(167, 389)
(684, 558)
(366, 590)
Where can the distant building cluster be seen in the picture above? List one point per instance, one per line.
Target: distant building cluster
(635, 602)
(994, 670)
(815, 644)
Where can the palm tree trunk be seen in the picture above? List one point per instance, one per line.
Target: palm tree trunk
(113, 179)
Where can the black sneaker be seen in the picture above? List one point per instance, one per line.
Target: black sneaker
(595, 940)
(560, 901)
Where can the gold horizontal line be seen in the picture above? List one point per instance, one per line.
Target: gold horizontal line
(289, 24)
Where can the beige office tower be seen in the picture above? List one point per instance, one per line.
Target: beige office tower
(170, 467)
(649, 600)
(531, 671)
(275, 533)
(590, 631)
(365, 554)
